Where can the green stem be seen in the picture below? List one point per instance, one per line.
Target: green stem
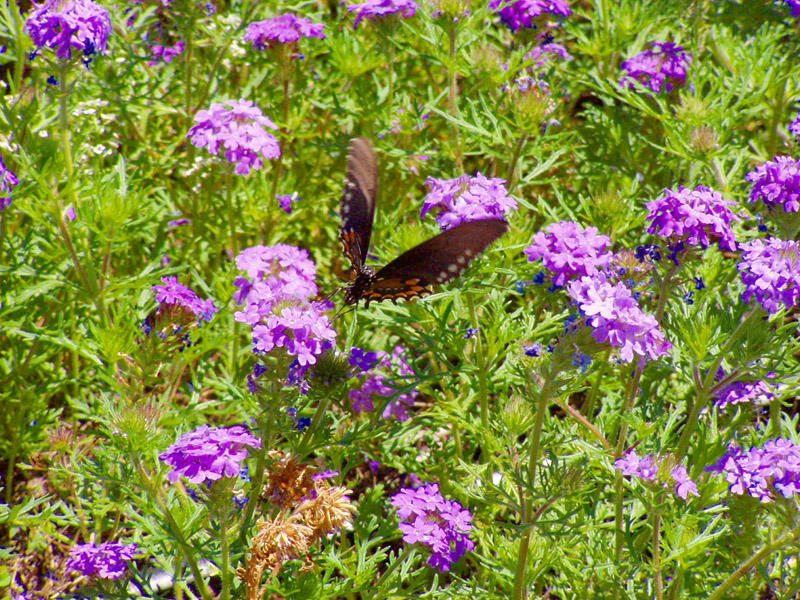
(656, 516)
(719, 175)
(751, 563)
(226, 554)
(480, 357)
(231, 212)
(777, 115)
(453, 93)
(316, 423)
(184, 544)
(520, 589)
(392, 568)
(511, 179)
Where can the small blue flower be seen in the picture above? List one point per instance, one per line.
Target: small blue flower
(534, 350)
(471, 333)
(699, 284)
(581, 360)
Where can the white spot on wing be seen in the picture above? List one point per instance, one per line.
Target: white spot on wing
(442, 276)
(453, 268)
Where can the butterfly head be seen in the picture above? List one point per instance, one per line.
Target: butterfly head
(363, 281)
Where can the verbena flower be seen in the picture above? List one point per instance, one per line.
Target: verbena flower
(384, 380)
(616, 318)
(165, 53)
(795, 6)
(759, 470)
(685, 486)
(103, 561)
(372, 9)
(794, 126)
(631, 464)
(363, 360)
(209, 454)
(286, 201)
(664, 67)
(239, 128)
(442, 525)
(751, 392)
(466, 198)
(569, 251)
(275, 272)
(777, 183)
(284, 29)
(8, 181)
(771, 272)
(64, 26)
(176, 294)
(689, 216)
(519, 14)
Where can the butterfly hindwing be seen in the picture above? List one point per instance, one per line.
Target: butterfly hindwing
(358, 202)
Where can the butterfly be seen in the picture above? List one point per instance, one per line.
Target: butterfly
(438, 260)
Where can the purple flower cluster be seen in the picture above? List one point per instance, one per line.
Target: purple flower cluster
(759, 471)
(466, 199)
(275, 272)
(277, 304)
(286, 201)
(777, 183)
(795, 6)
(382, 384)
(689, 216)
(62, 26)
(428, 518)
(647, 469)
(618, 319)
(794, 126)
(771, 272)
(752, 392)
(382, 8)
(570, 251)
(8, 181)
(664, 66)
(104, 561)
(208, 454)
(165, 53)
(184, 299)
(284, 29)
(518, 14)
(239, 127)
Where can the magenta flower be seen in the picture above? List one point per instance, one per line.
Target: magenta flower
(387, 375)
(64, 26)
(8, 181)
(209, 454)
(429, 519)
(466, 199)
(570, 251)
(777, 183)
(664, 67)
(372, 9)
(757, 471)
(518, 14)
(286, 201)
(239, 128)
(771, 272)
(275, 272)
(103, 561)
(284, 29)
(631, 464)
(752, 392)
(617, 318)
(685, 486)
(794, 126)
(174, 294)
(165, 53)
(689, 216)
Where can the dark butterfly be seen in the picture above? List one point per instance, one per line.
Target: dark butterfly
(410, 275)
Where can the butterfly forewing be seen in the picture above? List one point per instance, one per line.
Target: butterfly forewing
(358, 202)
(439, 260)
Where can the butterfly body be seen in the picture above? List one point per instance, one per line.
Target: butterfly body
(410, 275)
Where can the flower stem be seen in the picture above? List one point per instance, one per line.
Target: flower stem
(520, 589)
(480, 357)
(452, 94)
(511, 179)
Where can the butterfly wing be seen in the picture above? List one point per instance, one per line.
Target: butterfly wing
(358, 202)
(438, 260)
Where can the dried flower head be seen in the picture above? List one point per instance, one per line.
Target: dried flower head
(288, 481)
(704, 139)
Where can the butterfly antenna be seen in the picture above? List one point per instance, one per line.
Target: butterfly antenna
(340, 313)
(332, 294)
